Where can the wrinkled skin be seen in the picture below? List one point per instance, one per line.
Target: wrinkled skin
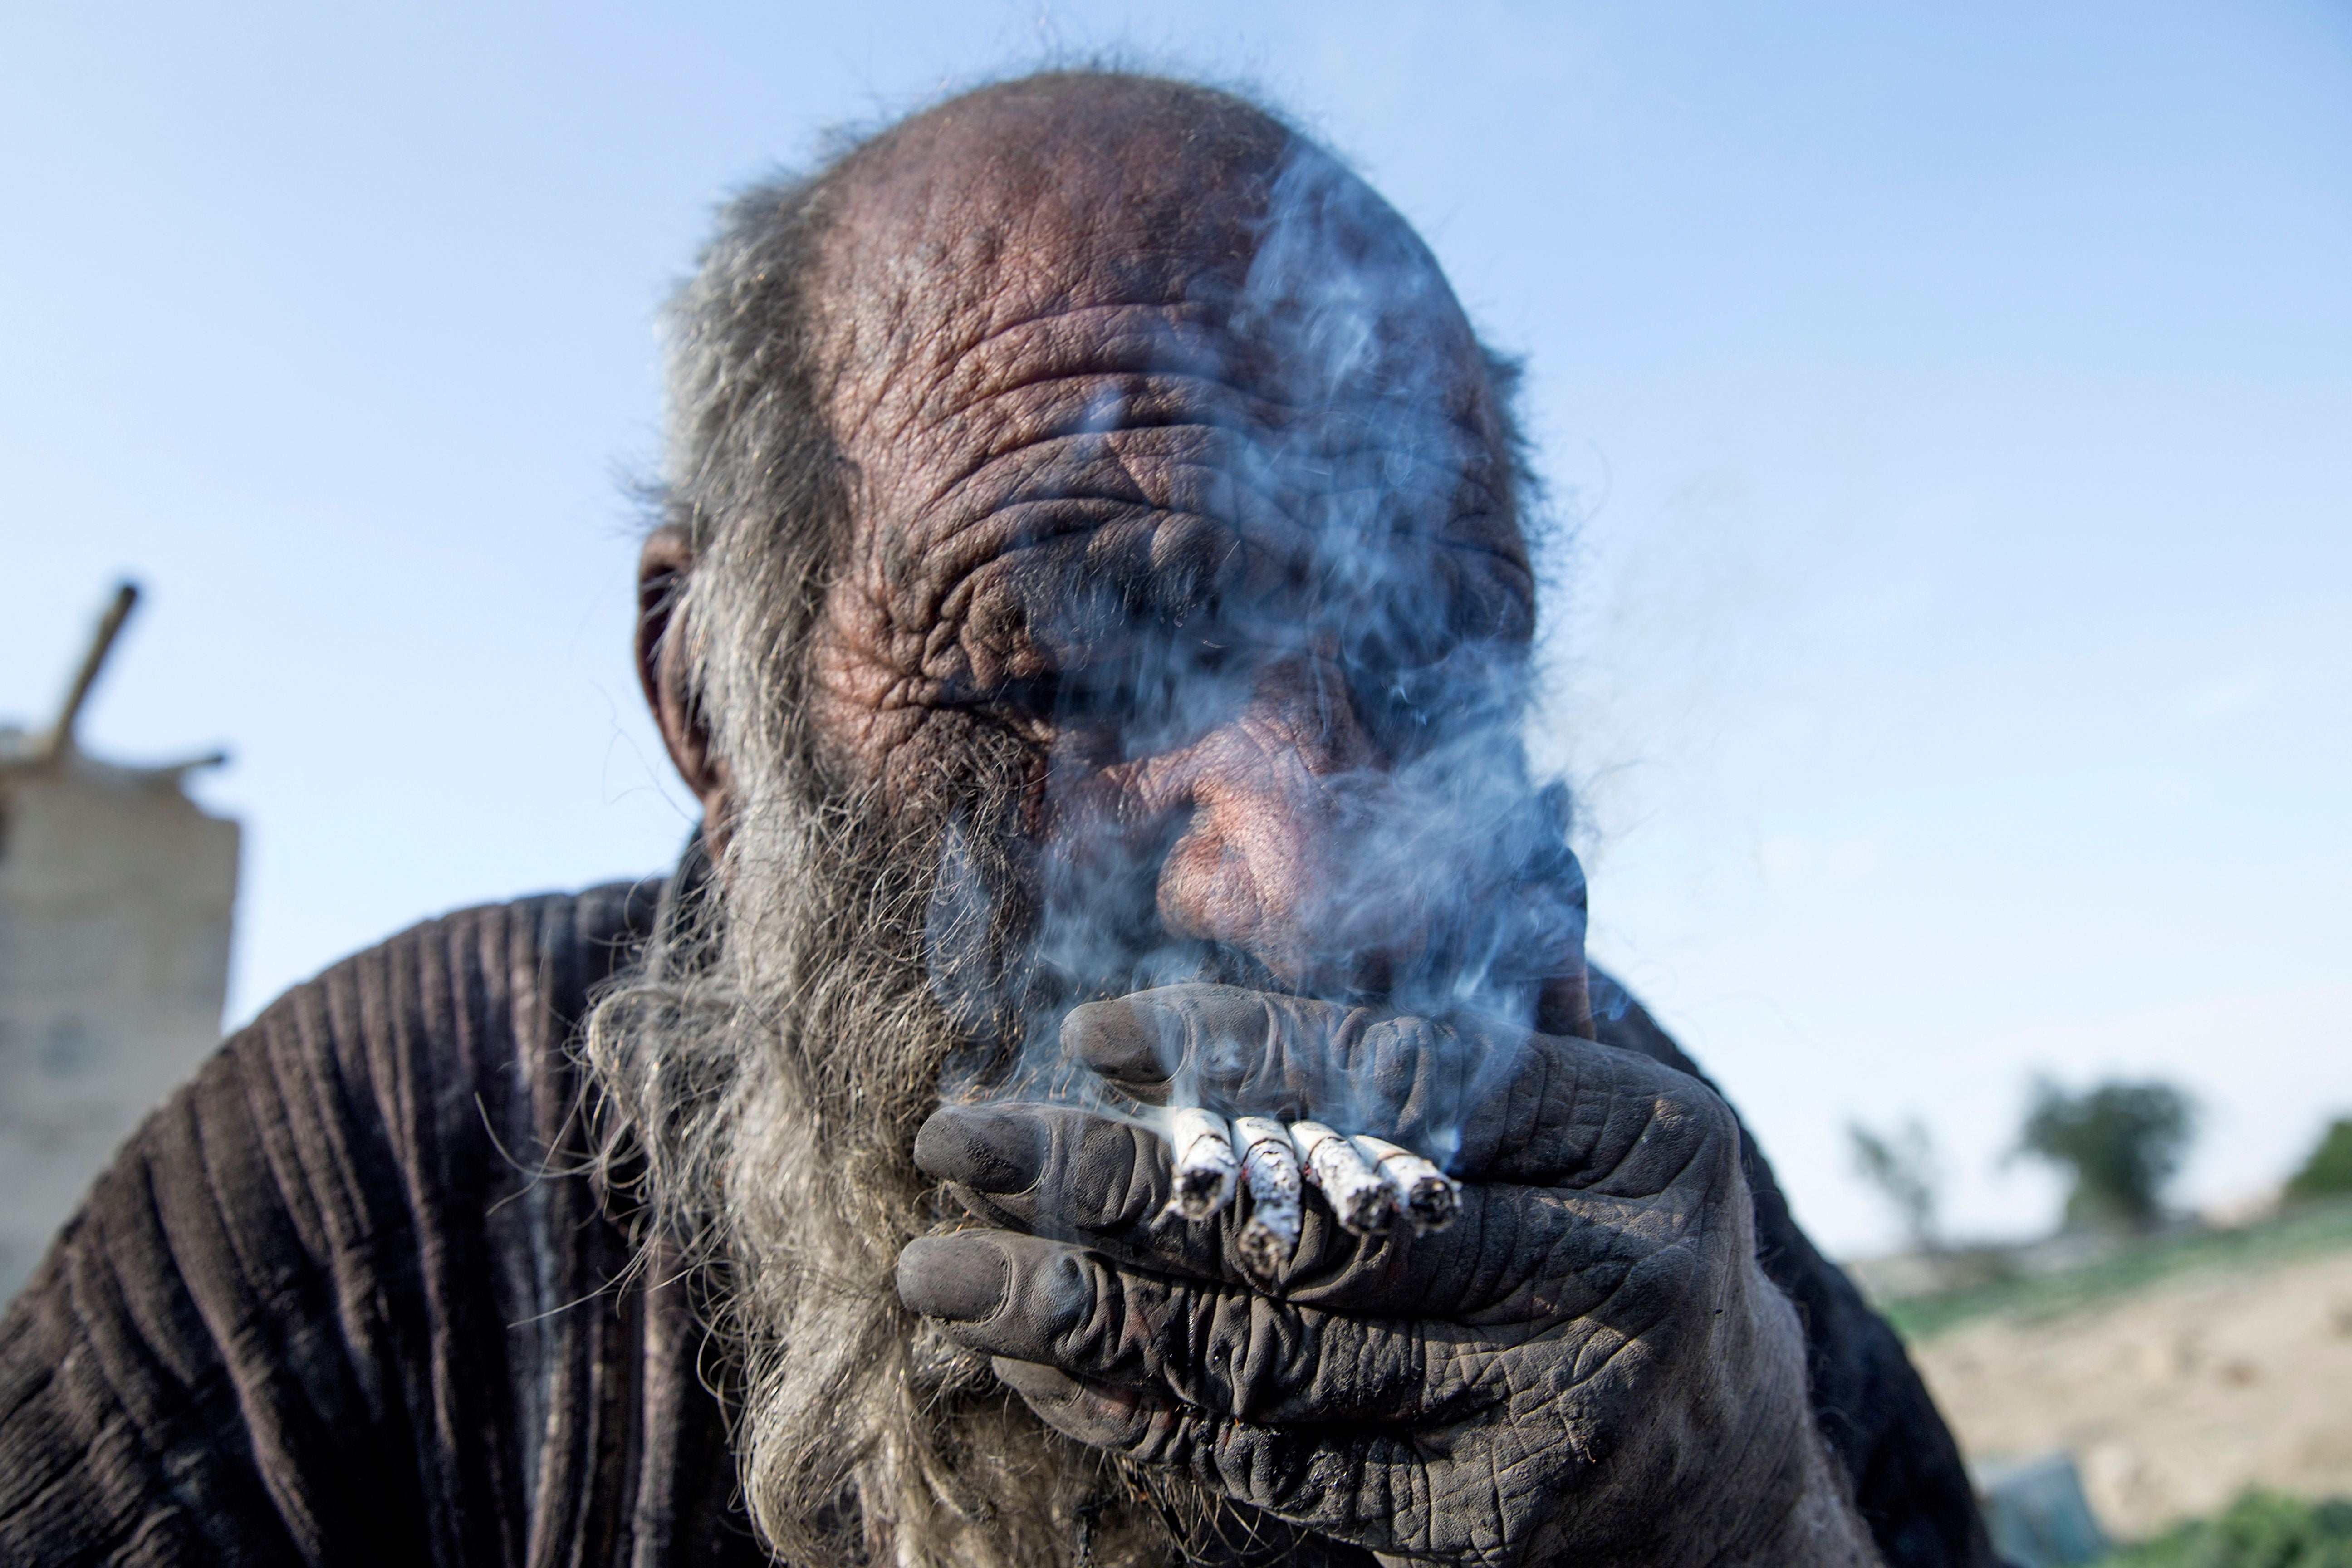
(1576, 1368)
(1054, 444)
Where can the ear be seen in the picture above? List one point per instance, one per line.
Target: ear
(662, 643)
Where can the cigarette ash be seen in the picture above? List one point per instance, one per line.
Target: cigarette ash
(1425, 1195)
(1369, 557)
(1201, 1153)
(1368, 1182)
(1353, 1185)
(1270, 1176)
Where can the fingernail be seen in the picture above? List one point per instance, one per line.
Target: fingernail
(960, 1278)
(1117, 1039)
(992, 1150)
(1044, 1384)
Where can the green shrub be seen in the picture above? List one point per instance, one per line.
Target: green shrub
(2328, 1172)
(2122, 1140)
(2261, 1530)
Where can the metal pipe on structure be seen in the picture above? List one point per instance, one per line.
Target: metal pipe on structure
(60, 740)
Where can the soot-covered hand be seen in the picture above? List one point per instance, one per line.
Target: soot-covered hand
(1586, 1363)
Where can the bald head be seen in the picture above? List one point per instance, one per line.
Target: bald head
(1038, 198)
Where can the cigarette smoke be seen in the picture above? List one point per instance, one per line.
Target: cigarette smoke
(1376, 554)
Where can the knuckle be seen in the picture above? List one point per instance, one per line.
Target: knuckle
(1694, 1121)
(1110, 1175)
(1711, 1119)
(1268, 1362)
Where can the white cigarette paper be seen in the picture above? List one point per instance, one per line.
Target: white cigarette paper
(1204, 1163)
(1425, 1195)
(1270, 1176)
(1359, 1195)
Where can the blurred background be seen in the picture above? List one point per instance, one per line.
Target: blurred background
(1944, 413)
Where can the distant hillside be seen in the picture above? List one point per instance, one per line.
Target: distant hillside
(2178, 1373)
(2034, 1292)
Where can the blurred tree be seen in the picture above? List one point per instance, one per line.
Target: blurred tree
(2328, 1172)
(1904, 1168)
(2123, 1141)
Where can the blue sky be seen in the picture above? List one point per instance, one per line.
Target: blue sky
(1945, 409)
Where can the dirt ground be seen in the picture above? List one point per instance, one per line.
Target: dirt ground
(2172, 1400)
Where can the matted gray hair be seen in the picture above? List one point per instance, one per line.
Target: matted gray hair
(759, 1078)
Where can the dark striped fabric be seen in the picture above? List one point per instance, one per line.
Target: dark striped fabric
(338, 1302)
(347, 1299)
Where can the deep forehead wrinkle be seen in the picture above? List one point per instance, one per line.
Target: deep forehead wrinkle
(1074, 226)
(1136, 339)
(1155, 366)
(1064, 419)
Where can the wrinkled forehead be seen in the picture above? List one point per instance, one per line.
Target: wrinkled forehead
(1119, 356)
(989, 213)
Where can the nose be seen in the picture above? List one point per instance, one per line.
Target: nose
(1265, 798)
(1294, 849)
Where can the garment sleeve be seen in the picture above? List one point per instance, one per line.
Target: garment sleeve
(1910, 1484)
(298, 1319)
(176, 1386)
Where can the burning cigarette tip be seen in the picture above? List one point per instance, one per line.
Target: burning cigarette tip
(1425, 1195)
(1270, 1176)
(1367, 1181)
(1359, 1195)
(1203, 1157)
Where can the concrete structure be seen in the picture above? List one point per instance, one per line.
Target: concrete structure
(116, 898)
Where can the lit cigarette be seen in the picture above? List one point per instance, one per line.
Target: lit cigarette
(1205, 1164)
(1353, 1186)
(1270, 1176)
(1427, 1196)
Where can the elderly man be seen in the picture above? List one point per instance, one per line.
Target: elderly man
(1093, 610)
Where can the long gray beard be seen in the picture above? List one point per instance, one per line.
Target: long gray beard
(762, 1078)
